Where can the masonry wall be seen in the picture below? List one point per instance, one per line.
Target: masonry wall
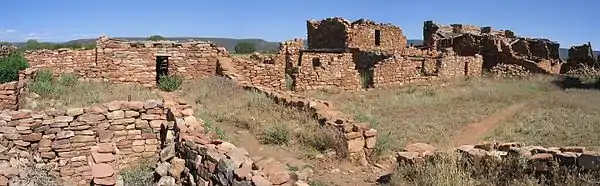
(124, 61)
(327, 69)
(10, 92)
(327, 33)
(454, 66)
(398, 70)
(131, 62)
(82, 63)
(66, 143)
(362, 36)
(270, 70)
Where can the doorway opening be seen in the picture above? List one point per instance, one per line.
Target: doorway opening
(162, 67)
(377, 37)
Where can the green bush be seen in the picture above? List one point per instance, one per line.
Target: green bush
(10, 67)
(43, 84)
(169, 83)
(244, 48)
(67, 80)
(276, 135)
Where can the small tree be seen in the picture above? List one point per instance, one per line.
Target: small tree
(244, 48)
(156, 38)
(11, 65)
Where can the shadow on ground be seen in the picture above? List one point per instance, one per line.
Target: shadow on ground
(569, 82)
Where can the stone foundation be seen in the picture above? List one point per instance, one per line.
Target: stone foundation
(10, 92)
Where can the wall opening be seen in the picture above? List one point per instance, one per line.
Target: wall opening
(466, 68)
(367, 77)
(377, 37)
(162, 67)
(316, 62)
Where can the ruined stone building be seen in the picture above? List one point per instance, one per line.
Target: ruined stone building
(496, 46)
(353, 55)
(139, 62)
(581, 57)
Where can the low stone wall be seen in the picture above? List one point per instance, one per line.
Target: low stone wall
(360, 138)
(539, 159)
(10, 92)
(81, 144)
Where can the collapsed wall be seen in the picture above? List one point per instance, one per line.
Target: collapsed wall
(496, 46)
(139, 62)
(10, 92)
(540, 160)
(359, 138)
(581, 57)
(5, 50)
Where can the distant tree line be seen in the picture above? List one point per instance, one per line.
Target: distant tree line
(33, 44)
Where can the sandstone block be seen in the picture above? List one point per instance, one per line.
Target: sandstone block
(102, 170)
(74, 112)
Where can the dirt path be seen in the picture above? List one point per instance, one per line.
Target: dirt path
(472, 133)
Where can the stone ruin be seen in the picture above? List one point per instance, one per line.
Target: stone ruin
(5, 50)
(354, 55)
(581, 58)
(496, 46)
(140, 62)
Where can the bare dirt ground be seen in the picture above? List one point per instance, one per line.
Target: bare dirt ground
(473, 132)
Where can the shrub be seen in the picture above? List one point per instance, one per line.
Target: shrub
(140, 175)
(156, 38)
(244, 48)
(322, 139)
(169, 83)
(43, 84)
(67, 80)
(10, 67)
(276, 135)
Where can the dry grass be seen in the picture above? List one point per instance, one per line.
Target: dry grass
(564, 118)
(220, 102)
(432, 114)
(450, 170)
(80, 94)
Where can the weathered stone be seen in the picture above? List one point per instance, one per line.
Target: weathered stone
(177, 166)
(114, 105)
(131, 114)
(96, 109)
(65, 134)
(420, 148)
(260, 181)
(74, 112)
(34, 137)
(166, 181)
(162, 168)
(91, 117)
(103, 157)
(589, 161)
(82, 139)
(111, 180)
(102, 170)
(63, 119)
(356, 145)
(117, 114)
(167, 153)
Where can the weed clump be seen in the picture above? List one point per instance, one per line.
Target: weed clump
(169, 83)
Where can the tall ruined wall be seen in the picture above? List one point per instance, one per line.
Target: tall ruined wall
(338, 33)
(79, 62)
(398, 70)
(461, 66)
(327, 33)
(124, 61)
(363, 35)
(581, 56)
(326, 70)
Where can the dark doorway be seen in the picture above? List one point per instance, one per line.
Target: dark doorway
(162, 66)
(466, 68)
(377, 37)
(366, 77)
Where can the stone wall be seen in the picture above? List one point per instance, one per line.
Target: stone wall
(338, 33)
(580, 56)
(131, 62)
(196, 158)
(82, 63)
(326, 70)
(81, 144)
(270, 71)
(540, 160)
(496, 46)
(10, 92)
(5, 50)
(359, 137)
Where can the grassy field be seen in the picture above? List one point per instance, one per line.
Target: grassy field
(433, 114)
(221, 103)
(563, 118)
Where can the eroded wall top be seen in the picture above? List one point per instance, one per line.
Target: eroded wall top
(338, 33)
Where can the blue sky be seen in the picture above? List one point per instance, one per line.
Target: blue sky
(568, 22)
